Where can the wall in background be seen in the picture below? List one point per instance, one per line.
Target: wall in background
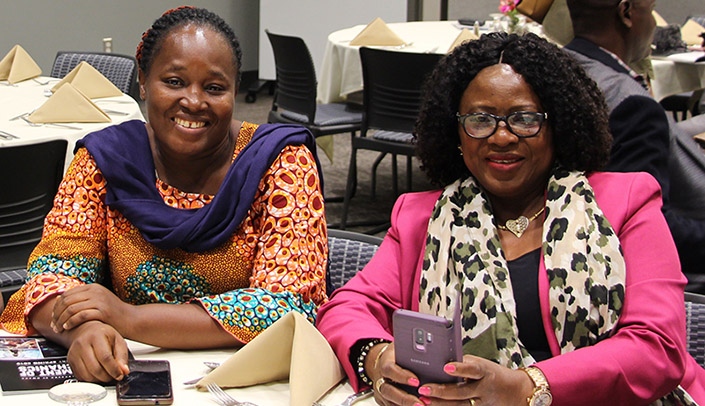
(45, 27)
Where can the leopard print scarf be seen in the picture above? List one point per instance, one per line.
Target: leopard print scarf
(581, 252)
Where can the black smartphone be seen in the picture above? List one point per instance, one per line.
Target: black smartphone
(148, 383)
(424, 343)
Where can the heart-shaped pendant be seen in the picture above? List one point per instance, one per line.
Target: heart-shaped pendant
(518, 226)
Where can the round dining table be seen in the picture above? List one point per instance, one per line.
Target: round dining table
(341, 71)
(673, 77)
(17, 100)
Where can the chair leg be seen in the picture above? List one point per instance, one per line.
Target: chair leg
(350, 186)
(395, 176)
(408, 174)
(375, 164)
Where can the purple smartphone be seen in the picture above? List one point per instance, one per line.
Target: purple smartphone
(424, 343)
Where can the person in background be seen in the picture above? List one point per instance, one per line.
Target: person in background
(611, 35)
(193, 230)
(567, 277)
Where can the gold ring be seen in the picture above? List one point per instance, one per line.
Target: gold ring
(378, 383)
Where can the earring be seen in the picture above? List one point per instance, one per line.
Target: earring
(461, 150)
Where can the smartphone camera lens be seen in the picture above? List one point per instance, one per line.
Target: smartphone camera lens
(419, 336)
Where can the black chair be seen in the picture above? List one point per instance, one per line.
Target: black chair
(295, 93)
(391, 100)
(695, 326)
(32, 176)
(348, 253)
(119, 69)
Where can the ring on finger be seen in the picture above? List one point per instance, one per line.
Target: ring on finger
(378, 383)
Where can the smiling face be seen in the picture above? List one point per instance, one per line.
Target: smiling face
(190, 92)
(505, 165)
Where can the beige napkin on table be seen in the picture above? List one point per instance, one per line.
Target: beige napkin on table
(690, 32)
(17, 66)
(465, 35)
(68, 105)
(377, 33)
(89, 81)
(291, 347)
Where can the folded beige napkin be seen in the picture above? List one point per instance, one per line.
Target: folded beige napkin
(291, 347)
(89, 81)
(465, 35)
(660, 22)
(377, 33)
(17, 66)
(690, 32)
(68, 105)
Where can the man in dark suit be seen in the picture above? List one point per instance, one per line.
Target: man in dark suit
(611, 35)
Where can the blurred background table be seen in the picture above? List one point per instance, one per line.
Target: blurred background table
(26, 96)
(676, 77)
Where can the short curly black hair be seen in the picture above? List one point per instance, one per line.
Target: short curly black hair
(152, 38)
(576, 109)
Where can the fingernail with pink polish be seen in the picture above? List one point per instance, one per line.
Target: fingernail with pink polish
(413, 382)
(424, 390)
(449, 368)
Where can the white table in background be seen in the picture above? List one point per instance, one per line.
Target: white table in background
(676, 77)
(341, 70)
(28, 95)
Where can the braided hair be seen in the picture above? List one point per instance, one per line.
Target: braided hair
(152, 39)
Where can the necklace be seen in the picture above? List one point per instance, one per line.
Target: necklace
(518, 226)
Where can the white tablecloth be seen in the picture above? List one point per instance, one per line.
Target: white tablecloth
(186, 365)
(676, 77)
(26, 96)
(341, 71)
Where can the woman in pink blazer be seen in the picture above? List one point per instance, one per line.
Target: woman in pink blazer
(567, 278)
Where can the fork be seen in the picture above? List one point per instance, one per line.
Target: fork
(223, 398)
(352, 398)
(32, 124)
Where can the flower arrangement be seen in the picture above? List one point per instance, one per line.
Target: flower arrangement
(509, 9)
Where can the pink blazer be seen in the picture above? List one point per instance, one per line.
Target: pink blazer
(645, 358)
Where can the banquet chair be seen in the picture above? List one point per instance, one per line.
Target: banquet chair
(348, 253)
(295, 93)
(31, 178)
(695, 326)
(391, 102)
(119, 69)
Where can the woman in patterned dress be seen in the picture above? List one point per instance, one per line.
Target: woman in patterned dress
(567, 278)
(193, 230)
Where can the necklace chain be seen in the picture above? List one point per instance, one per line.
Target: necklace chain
(519, 225)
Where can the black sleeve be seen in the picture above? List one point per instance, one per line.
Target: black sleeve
(641, 136)
(641, 143)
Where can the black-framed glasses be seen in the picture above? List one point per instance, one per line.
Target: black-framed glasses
(523, 124)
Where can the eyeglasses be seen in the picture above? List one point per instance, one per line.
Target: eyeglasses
(523, 124)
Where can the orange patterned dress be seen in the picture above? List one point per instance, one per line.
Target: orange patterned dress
(274, 263)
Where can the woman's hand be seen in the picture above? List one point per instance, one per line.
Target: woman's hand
(485, 382)
(89, 302)
(385, 374)
(97, 353)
